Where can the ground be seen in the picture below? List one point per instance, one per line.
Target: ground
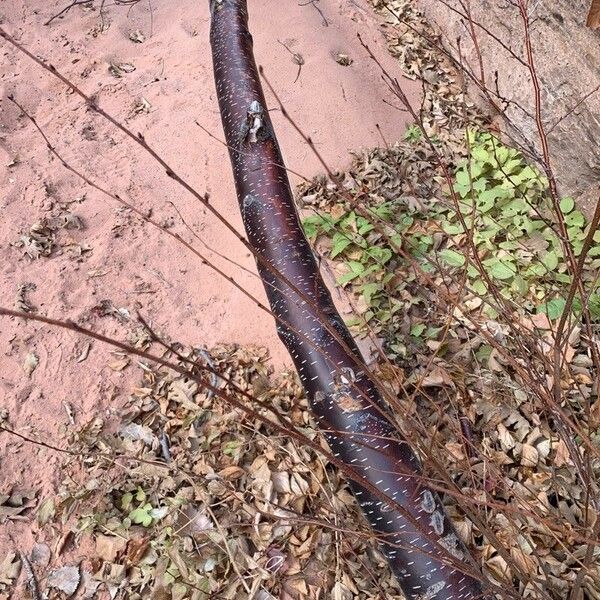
(148, 65)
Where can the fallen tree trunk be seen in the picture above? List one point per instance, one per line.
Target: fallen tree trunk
(419, 540)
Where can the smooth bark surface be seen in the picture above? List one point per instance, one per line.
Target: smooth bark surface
(421, 543)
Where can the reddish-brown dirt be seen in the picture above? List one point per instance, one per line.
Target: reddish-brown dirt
(116, 256)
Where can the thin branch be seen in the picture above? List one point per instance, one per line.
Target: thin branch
(67, 8)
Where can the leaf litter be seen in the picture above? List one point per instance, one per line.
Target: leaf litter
(228, 507)
(42, 240)
(238, 506)
(512, 452)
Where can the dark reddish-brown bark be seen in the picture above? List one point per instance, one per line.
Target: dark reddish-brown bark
(422, 546)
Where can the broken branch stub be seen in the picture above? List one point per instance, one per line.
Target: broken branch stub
(416, 536)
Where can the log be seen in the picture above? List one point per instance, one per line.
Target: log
(420, 542)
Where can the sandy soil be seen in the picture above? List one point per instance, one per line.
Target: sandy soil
(116, 256)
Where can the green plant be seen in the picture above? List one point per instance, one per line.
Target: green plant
(368, 260)
(501, 202)
(144, 513)
(413, 133)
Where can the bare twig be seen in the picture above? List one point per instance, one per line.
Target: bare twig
(32, 584)
(314, 4)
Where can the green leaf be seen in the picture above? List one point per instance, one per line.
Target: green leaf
(141, 515)
(452, 229)
(433, 332)
(554, 308)
(230, 447)
(356, 269)
(483, 353)
(413, 133)
(528, 225)
(381, 255)
(509, 245)
(518, 206)
(126, 501)
(353, 321)
(479, 287)
(501, 269)
(452, 258)
(417, 329)
(501, 152)
(520, 285)
(575, 219)
(396, 240)
(310, 230)
(462, 178)
(347, 221)
(511, 166)
(481, 154)
(462, 190)
(567, 204)
(383, 211)
(536, 269)
(316, 224)
(487, 199)
(369, 290)
(340, 242)
(473, 272)
(490, 312)
(550, 260)
(594, 306)
(526, 174)
(364, 226)
(562, 278)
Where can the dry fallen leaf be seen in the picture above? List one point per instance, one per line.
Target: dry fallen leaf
(10, 568)
(65, 579)
(46, 511)
(30, 363)
(14, 161)
(15, 503)
(119, 365)
(347, 403)
(562, 456)
(97, 272)
(231, 473)
(135, 431)
(120, 69)
(529, 456)
(21, 301)
(142, 105)
(84, 352)
(593, 18)
(343, 59)
(182, 391)
(109, 546)
(136, 548)
(437, 377)
(39, 241)
(341, 592)
(137, 36)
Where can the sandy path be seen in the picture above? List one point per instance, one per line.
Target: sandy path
(125, 260)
